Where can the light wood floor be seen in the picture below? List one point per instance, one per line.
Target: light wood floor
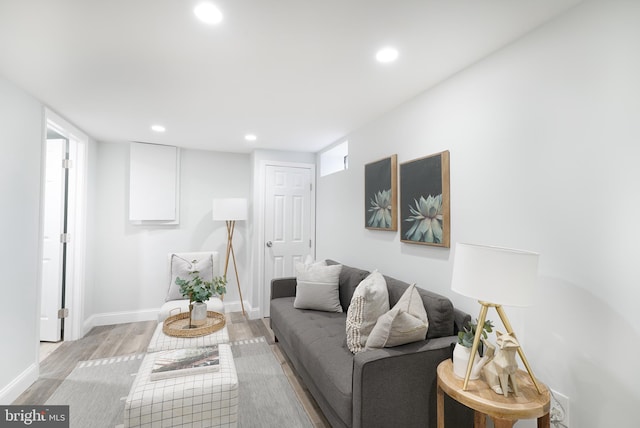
(133, 338)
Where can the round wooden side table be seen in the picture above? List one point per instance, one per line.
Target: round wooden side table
(504, 411)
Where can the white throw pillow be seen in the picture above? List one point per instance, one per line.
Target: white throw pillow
(370, 300)
(309, 261)
(181, 267)
(406, 322)
(318, 287)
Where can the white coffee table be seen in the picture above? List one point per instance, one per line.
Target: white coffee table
(162, 342)
(203, 400)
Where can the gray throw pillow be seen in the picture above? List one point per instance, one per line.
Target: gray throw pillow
(406, 322)
(318, 287)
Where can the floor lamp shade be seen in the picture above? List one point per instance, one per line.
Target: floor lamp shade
(229, 209)
(496, 275)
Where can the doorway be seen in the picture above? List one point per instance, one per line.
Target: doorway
(63, 230)
(54, 246)
(288, 222)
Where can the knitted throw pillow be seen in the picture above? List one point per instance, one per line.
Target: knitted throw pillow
(370, 300)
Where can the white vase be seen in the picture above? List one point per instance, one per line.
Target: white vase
(199, 314)
(461, 360)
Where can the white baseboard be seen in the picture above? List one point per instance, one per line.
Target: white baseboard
(109, 318)
(236, 307)
(9, 393)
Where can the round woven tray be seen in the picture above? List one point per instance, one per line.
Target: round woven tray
(178, 325)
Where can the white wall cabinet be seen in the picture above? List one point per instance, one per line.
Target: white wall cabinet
(154, 172)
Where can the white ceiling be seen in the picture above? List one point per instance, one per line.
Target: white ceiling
(299, 74)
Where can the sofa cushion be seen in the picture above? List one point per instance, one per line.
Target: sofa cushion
(405, 323)
(439, 309)
(318, 287)
(350, 278)
(330, 363)
(318, 342)
(370, 300)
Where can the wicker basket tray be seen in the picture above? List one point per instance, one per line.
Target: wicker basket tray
(178, 325)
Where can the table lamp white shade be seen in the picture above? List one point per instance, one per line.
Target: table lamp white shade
(229, 209)
(495, 275)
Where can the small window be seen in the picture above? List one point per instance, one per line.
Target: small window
(335, 159)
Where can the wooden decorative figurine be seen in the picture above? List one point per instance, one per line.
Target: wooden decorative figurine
(500, 371)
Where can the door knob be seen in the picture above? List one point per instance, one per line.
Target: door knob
(269, 244)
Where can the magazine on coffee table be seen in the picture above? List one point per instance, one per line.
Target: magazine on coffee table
(184, 362)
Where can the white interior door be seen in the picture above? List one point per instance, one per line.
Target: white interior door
(288, 222)
(52, 248)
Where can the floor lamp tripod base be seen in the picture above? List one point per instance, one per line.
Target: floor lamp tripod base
(476, 342)
(230, 253)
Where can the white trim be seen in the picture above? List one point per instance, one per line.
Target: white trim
(62, 126)
(77, 249)
(258, 220)
(43, 166)
(110, 318)
(17, 386)
(252, 313)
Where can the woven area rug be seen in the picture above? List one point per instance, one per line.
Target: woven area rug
(96, 390)
(266, 398)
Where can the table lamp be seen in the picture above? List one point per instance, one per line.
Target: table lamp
(495, 277)
(230, 210)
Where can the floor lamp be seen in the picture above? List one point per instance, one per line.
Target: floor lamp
(495, 277)
(231, 210)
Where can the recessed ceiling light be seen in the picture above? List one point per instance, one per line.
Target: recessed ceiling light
(387, 54)
(158, 128)
(208, 13)
(250, 137)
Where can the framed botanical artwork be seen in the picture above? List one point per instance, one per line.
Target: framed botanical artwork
(424, 200)
(380, 194)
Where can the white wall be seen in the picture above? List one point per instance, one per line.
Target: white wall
(130, 261)
(21, 128)
(544, 139)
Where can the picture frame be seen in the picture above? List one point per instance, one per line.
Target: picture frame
(380, 194)
(425, 201)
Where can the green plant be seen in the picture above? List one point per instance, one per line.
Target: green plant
(465, 337)
(198, 290)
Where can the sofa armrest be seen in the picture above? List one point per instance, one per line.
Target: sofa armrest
(283, 287)
(397, 386)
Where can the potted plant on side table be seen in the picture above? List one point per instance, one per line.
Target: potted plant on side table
(199, 291)
(462, 350)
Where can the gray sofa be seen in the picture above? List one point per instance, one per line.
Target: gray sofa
(389, 387)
